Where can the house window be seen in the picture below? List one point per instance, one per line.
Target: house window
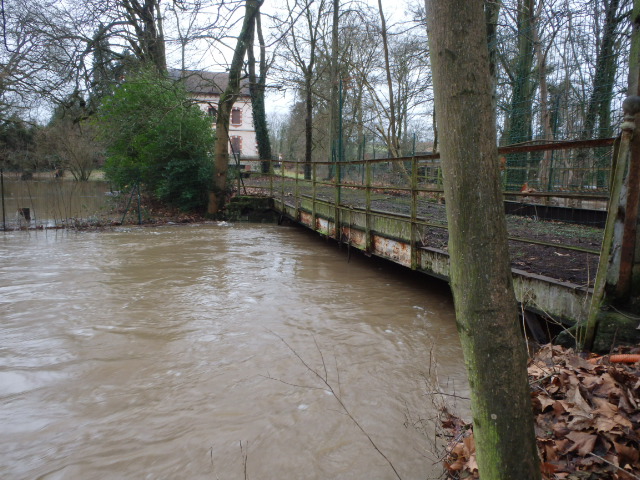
(212, 112)
(236, 145)
(236, 116)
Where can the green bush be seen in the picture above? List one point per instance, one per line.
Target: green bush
(157, 136)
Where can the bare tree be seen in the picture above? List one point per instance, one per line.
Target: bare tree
(306, 23)
(71, 146)
(34, 56)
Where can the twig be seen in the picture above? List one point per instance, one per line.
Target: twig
(542, 379)
(614, 465)
(311, 387)
(631, 317)
(337, 397)
(324, 366)
(447, 394)
(245, 455)
(335, 359)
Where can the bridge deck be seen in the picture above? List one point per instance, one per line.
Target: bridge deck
(553, 263)
(397, 238)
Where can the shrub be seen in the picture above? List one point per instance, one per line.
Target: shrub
(158, 137)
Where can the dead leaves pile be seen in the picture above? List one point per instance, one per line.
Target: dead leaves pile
(587, 420)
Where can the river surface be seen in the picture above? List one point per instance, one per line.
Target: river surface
(216, 352)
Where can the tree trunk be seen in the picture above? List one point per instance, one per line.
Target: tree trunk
(146, 21)
(485, 304)
(393, 133)
(256, 88)
(392, 137)
(491, 15)
(544, 167)
(308, 122)
(599, 106)
(521, 114)
(333, 100)
(227, 99)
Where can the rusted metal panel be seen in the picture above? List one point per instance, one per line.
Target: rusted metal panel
(307, 220)
(355, 237)
(399, 252)
(433, 261)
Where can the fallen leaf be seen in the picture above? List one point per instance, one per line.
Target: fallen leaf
(607, 387)
(469, 446)
(545, 402)
(583, 442)
(628, 455)
(580, 405)
(580, 422)
(560, 407)
(548, 468)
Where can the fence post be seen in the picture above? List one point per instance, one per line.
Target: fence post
(414, 213)
(296, 191)
(368, 241)
(314, 173)
(271, 174)
(336, 215)
(282, 186)
(4, 222)
(139, 212)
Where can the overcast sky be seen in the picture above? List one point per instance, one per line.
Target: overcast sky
(277, 101)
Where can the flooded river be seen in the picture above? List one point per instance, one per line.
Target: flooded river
(216, 352)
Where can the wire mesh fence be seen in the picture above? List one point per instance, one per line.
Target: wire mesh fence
(573, 173)
(43, 201)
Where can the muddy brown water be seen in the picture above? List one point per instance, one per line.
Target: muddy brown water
(160, 353)
(54, 202)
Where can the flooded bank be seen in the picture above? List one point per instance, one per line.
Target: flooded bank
(48, 202)
(196, 351)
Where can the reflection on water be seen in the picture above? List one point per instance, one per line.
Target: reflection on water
(156, 353)
(53, 202)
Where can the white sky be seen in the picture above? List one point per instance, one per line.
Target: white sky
(276, 101)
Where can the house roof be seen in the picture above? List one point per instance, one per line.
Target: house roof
(207, 83)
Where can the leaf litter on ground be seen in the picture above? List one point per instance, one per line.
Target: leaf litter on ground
(587, 419)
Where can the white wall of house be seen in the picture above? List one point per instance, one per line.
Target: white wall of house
(241, 133)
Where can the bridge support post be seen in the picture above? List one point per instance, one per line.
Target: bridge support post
(336, 219)
(414, 212)
(617, 285)
(369, 243)
(314, 171)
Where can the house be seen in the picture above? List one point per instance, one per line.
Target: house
(206, 89)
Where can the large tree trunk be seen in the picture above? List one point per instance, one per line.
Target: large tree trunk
(485, 304)
(227, 99)
(257, 87)
(393, 131)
